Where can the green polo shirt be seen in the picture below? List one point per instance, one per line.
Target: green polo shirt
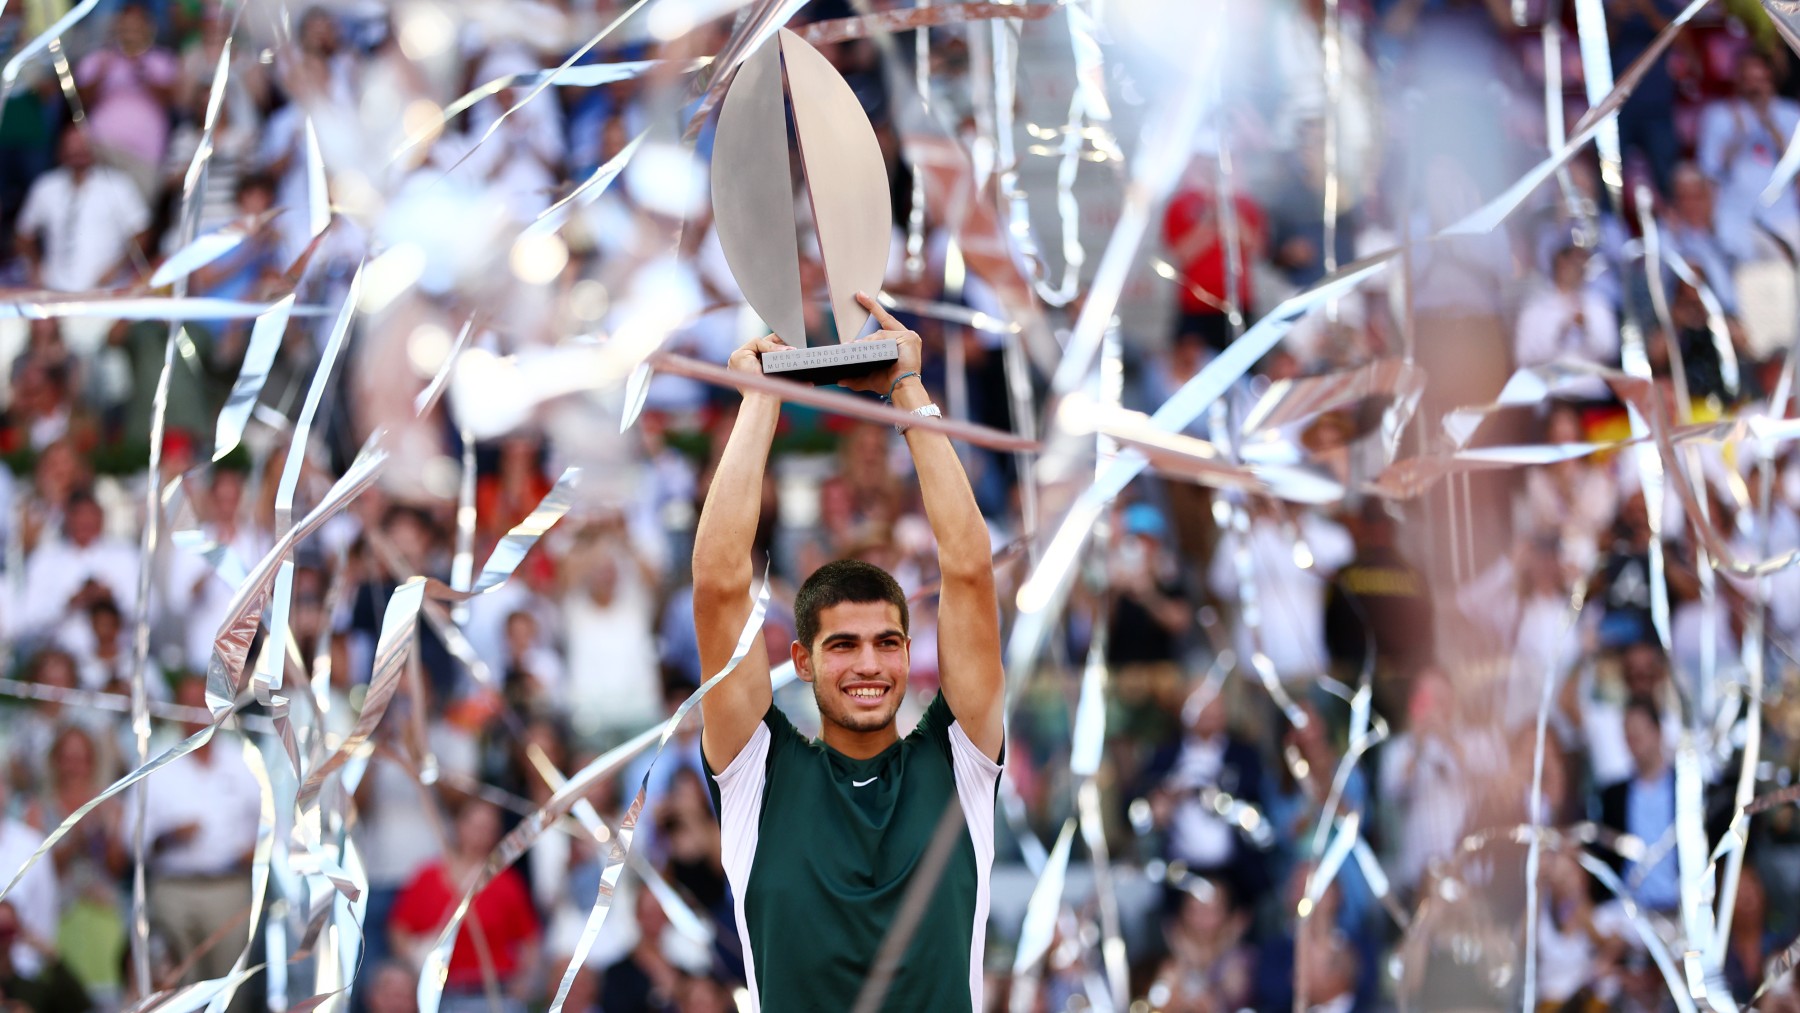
(820, 849)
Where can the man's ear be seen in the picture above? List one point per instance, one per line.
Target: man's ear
(802, 661)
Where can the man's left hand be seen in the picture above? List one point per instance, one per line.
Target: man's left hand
(882, 382)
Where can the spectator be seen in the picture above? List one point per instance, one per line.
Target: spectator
(1197, 241)
(608, 611)
(1297, 213)
(1691, 230)
(1291, 596)
(32, 729)
(502, 908)
(90, 862)
(1645, 126)
(1572, 499)
(83, 224)
(509, 495)
(60, 472)
(200, 594)
(1623, 584)
(1522, 604)
(33, 903)
(200, 824)
(246, 82)
(1149, 616)
(393, 988)
(1573, 950)
(31, 975)
(42, 409)
(1330, 975)
(534, 677)
(1598, 713)
(1564, 320)
(1296, 808)
(1379, 603)
(233, 153)
(1426, 773)
(1209, 966)
(128, 89)
(651, 975)
(1644, 807)
(1741, 139)
(102, 650)
(71, 573)
(1181, 782)
(394, 815)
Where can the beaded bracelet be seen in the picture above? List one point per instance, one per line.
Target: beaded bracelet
(896, 386)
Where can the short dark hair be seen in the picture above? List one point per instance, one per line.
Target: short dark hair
(847, 580)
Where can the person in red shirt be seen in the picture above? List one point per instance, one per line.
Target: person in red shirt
(509, 925)
(1195, 235)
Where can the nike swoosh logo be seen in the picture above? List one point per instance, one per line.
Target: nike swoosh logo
(859, 784)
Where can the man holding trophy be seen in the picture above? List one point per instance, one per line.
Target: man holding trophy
(822, 840)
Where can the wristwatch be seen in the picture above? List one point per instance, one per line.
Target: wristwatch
(931, 411)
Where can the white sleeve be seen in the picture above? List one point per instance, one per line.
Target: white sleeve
(741, 786)
(1541, 323)
(977, 782)
(35, 215)
(134, 214)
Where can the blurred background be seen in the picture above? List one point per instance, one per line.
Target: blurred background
(1354, 679)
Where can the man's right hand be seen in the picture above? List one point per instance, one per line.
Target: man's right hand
(748, 357)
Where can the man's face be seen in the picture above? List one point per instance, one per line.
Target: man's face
(1644, 739)
(1643, 670)
(84, 523)
(857, 665)
(318, 35)
(1693, 196)
(1571, 268)
(1211, 720)
(393, 991)
(1754, 81)
(478, 828)
(134, 30)
(76, 152)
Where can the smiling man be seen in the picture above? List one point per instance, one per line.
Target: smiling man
(823, 839)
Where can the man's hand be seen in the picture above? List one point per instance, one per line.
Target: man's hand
(176, 837)
(748, 357)
(911, 351)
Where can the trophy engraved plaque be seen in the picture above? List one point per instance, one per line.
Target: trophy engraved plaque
(846, 183)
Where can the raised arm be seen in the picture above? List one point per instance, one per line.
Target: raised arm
(723, 570)
(969, 669)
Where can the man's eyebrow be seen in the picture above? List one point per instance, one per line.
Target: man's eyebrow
(833, 638)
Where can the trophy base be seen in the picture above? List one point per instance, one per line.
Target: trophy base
(823, 364)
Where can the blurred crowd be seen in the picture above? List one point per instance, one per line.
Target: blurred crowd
(1238, 631)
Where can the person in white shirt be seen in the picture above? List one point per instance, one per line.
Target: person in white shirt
(197, 593)
(1291, 595)
(1741, 140)
(609, 619)
(1566, 319)
(1520, 606)
(69, 574)
(82, 223)
(1426, 776)
(200, 825)
(35, 896)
